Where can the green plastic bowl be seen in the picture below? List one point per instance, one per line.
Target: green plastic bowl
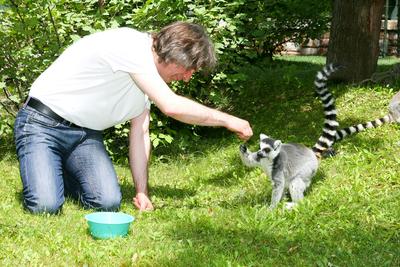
(104, 225)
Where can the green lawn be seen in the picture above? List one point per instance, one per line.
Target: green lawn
(211, 210)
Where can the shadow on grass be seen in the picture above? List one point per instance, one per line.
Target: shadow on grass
(225, 179)
(231, 176)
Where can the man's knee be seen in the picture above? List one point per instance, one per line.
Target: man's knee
(109, 202)
(43, 205)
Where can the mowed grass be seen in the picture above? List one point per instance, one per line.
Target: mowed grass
(211, 210)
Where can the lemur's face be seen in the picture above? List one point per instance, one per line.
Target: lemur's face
(269, 148)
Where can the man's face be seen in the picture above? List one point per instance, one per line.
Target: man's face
(173, 72)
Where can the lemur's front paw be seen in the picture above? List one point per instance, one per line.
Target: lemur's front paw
(243, 148)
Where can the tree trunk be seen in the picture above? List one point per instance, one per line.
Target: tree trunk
(354, 37)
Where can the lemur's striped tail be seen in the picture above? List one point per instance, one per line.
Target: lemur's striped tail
(328, 136)
(341, 134)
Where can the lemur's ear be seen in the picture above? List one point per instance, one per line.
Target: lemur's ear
(277, 144)
(263, 136)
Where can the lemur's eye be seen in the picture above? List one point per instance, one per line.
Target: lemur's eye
(267, 150)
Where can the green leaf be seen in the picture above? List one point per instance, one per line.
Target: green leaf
(75, 37)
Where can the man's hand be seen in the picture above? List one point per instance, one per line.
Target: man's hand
(142, 202)
(240, 127)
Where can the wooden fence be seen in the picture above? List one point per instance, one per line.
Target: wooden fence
(320, 46)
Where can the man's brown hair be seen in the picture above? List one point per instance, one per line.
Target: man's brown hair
(185, 44)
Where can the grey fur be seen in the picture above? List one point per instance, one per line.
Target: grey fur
(394, 108)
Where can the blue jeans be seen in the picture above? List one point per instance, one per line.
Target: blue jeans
(56, 159)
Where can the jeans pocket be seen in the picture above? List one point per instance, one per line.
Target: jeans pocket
(41, 119)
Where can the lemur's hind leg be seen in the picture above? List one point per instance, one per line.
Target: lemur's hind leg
(278, 188)
(297, 187)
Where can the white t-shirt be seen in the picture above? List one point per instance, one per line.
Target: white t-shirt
(89, 83)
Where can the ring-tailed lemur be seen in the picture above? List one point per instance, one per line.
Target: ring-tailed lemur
(289, 165)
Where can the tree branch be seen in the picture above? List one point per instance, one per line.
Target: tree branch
(55, 27)
(12, 62)
(8, 110)
(17, 10)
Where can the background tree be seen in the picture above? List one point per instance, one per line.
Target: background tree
(354, 37)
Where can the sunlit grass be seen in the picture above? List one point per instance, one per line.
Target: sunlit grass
(211, 210)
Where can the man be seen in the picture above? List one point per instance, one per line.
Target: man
(102, 80)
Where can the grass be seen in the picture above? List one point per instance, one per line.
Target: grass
(211, 210)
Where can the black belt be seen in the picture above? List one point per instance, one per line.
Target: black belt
(42, 108)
